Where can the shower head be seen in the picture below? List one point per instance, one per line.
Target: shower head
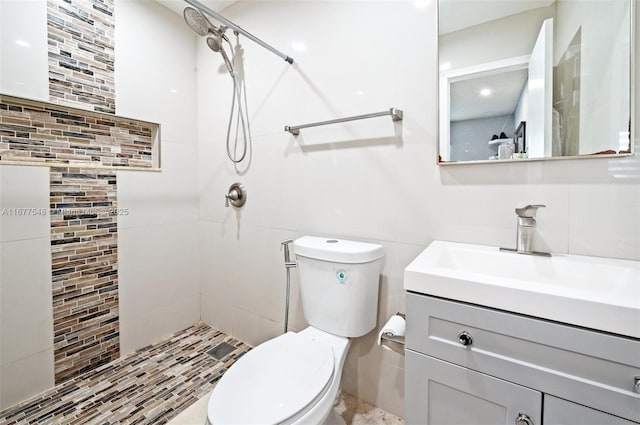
(198, 22)
(215, 44)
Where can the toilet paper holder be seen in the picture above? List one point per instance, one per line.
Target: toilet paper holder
(389, 337)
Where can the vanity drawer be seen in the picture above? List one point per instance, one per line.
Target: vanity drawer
(590, 367)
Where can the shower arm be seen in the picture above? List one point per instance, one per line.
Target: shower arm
(204, 9)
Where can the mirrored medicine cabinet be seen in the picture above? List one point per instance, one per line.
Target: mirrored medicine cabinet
(523, 80)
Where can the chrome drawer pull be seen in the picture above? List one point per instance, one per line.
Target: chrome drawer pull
(465, 338)
(636, 384)
(523, 419)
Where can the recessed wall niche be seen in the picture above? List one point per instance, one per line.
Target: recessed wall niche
(42, 133)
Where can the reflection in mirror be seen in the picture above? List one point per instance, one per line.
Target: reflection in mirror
(534, 79)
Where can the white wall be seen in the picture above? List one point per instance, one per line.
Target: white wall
(23, 49)
(363, 57)
(470, 138)
(26, 314)
(342, 183)
(158, 247)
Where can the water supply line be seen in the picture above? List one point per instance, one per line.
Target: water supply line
(238, 89)
(288, 265)
(215, 36)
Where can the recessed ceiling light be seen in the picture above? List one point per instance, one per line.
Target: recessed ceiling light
(22, 43)
(485, 92)
(298, 46)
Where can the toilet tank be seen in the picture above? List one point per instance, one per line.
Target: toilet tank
(339, 284)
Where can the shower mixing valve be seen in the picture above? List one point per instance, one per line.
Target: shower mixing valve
(236, 196)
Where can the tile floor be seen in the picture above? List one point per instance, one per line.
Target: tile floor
(150, 386)
(167, 382)
(357, 412)
(353, 410)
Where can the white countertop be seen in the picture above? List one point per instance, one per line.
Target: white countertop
(593, 292)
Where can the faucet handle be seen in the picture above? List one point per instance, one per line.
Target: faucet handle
(529, 211)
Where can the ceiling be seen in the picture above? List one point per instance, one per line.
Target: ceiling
(178, 5)
(466, 101)
(468, 104)
(455, 15)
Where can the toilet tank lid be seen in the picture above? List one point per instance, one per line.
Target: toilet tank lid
(337, 250)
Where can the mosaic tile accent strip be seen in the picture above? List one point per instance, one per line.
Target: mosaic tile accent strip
(41, 132)
(150, 386)
(81, 53)
(84, 258)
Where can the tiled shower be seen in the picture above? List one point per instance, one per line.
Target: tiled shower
(83, 206)
(158, 250)
(68, 145)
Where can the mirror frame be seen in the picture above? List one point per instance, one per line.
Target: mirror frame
(441, 101)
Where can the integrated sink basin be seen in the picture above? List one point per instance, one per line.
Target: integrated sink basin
(597, 293)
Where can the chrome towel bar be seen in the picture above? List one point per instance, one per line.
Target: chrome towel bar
(396, 115)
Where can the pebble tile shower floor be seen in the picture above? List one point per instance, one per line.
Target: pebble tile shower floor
(150, 386)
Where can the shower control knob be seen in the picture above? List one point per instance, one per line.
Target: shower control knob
(465, 338)
(226, 200)
(236, 196)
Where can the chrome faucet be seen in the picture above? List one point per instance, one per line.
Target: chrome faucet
(526, 231)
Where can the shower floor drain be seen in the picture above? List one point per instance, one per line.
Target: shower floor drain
(221, 350)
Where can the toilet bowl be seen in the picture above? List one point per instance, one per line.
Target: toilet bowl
(294, 378)
(291, 379)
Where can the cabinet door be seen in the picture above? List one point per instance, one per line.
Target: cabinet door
(562, 412)
(441, 393)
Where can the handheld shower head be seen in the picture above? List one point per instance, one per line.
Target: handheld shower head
(199, 23)
(215, 44)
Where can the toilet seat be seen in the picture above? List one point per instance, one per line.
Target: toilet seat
(286, 376)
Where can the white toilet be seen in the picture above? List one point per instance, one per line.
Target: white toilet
(294, 378)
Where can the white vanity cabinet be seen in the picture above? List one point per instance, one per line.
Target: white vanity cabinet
(563, 412)
(440, 392)
(467, 364)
